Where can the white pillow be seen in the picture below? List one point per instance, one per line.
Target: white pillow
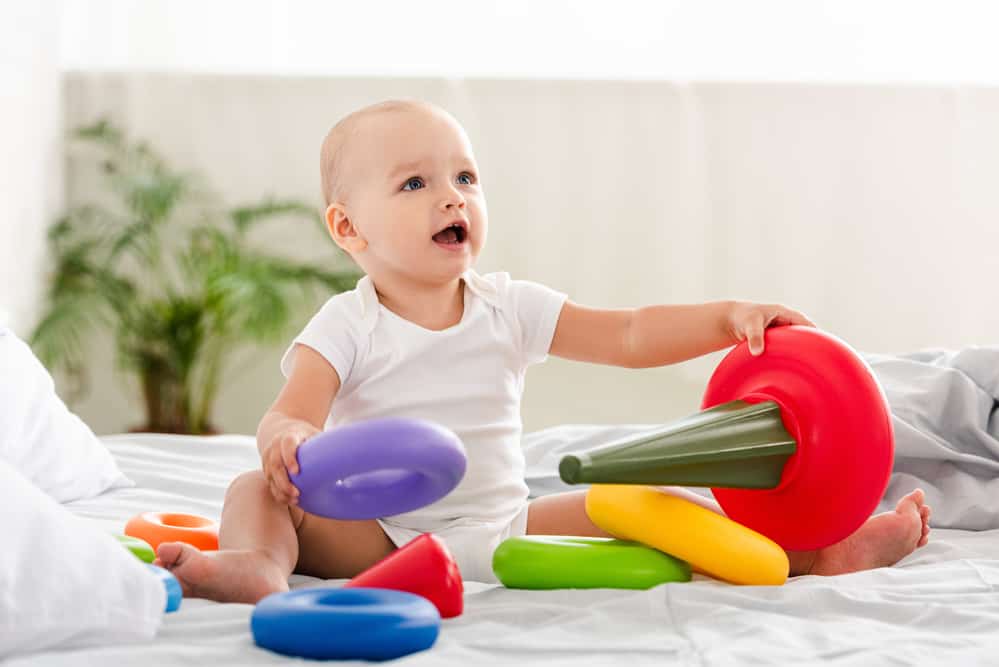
(41, 438)
(65, 583)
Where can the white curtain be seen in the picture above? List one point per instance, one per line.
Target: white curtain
(727, 40)
(31, 190)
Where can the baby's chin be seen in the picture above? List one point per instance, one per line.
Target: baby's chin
(430, 273)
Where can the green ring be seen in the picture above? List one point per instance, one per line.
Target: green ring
(140, 548)
(548, 561)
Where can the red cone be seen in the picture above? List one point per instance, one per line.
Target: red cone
(425, 567)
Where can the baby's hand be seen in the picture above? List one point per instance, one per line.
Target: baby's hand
(279, 461)
(748, 320)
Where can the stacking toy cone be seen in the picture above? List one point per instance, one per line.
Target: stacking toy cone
(734, 445)
(425, 567)
(796, 443)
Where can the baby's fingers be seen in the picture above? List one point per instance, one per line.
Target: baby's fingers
(289, 459)
(279, 495)
(289, 447)
(790, 316)
(282, 488)
(754, 335)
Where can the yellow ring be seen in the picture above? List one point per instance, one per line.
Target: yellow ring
(711, 543)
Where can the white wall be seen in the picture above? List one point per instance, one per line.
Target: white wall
(871, 207)
(729, 40)
(31, 191)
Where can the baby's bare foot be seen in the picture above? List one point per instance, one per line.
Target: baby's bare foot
(224, 576)
(882, 541)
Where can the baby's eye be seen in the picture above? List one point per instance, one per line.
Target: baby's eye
(469, 178)
(417, 181)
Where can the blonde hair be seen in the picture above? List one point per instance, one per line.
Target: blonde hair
(331, 167)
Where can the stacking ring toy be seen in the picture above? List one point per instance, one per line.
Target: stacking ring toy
(345, 624)
(140, 548)
(173, 590)
(797, 443)
(378, 468)
(546, 562)
(710, 542)
(158, 527)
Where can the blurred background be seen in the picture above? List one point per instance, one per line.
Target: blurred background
(840, 157)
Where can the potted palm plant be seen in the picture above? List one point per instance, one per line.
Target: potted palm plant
(173, 277)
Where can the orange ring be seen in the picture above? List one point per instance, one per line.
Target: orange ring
(157, 527)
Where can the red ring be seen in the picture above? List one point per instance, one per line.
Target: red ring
(835, 409)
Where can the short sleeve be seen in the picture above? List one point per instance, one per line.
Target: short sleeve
(536, 309)
(333, 332)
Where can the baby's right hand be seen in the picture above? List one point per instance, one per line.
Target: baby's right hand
(279, 461)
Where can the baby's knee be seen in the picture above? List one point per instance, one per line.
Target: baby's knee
(251, 489)
(247, 483)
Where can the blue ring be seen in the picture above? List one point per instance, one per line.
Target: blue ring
(345, 623)
(173, 590)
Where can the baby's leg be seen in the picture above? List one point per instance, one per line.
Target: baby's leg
(334, 549)
(262, 541)
(565, 513)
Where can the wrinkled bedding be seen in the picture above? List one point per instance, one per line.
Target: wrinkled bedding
(941, 603)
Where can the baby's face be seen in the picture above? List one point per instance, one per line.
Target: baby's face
(414, 197)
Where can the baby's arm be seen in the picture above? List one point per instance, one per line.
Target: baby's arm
(298, 413)
(661, 335)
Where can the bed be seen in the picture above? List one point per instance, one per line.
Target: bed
(939, 604)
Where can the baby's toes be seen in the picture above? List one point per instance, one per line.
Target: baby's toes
(924, 514)
(168, 554)
(911, 502)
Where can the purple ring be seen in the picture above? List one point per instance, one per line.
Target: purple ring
(377, 468)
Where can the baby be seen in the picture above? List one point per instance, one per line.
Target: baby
(424, 335)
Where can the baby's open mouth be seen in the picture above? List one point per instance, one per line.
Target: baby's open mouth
(452, 234)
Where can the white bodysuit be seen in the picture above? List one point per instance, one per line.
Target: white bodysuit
(469, 378)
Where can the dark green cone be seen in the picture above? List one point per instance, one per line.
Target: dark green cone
(732, 445)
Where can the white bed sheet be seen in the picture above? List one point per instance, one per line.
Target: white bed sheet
(940, 604)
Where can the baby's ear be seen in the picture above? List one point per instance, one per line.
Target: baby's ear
(342, 229)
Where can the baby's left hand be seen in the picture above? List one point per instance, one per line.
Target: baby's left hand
(748, 320)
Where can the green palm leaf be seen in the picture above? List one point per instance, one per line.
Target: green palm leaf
(172, 277)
